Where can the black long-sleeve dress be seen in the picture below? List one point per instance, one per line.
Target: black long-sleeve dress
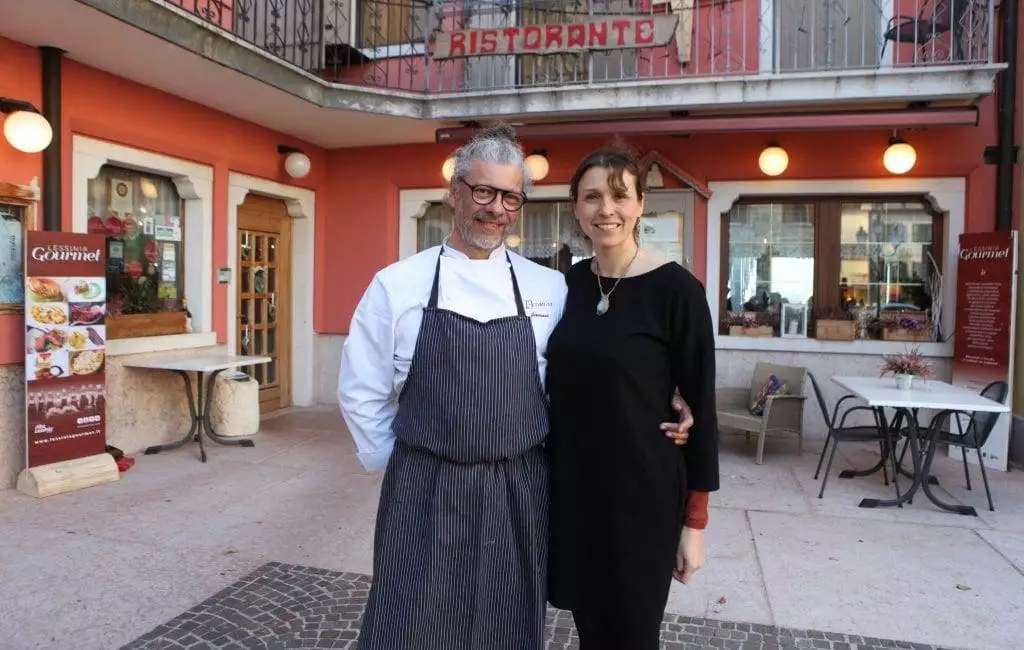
(617, 499)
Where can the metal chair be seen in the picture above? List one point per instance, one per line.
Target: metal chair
(979, 427)
(841, 433)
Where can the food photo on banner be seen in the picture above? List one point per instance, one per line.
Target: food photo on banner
(65, 346)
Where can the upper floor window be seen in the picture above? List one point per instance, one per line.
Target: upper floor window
(141, 216)
(393, 22)
(872, 260)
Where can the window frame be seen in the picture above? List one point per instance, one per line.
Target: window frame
(194, 182)
(827, 219)
(112, 170)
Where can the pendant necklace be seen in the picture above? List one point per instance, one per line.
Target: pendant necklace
(604, 303)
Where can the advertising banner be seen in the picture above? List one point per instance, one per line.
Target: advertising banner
(65, 346)
(983, 341)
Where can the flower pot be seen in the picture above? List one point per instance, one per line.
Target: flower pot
(904, 382)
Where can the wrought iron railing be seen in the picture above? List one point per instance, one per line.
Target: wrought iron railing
(401, 44)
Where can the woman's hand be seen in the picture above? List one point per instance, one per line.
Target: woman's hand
(690, 555)
(679, 431)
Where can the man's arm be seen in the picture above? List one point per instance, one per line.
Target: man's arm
(367, 375)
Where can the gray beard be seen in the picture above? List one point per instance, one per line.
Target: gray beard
(481, 242)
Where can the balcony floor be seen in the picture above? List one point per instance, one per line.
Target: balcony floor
(783, 568)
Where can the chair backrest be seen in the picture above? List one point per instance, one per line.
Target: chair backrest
(792, 376)
(982, 423)
(821, 399)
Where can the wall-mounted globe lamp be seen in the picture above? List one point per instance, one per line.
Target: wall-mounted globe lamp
(296, 162)
(24, 128)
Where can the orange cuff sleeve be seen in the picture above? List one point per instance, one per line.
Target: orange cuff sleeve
(696, 510)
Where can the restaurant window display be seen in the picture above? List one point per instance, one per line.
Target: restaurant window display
(141, 216)
(837, 268)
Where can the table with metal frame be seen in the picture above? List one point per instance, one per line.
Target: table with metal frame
(210, 365)
(881, 393)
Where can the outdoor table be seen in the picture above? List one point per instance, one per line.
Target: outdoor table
(214, 364)
(881, 393)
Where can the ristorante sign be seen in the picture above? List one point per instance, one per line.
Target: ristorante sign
(587, 33)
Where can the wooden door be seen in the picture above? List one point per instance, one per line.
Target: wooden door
(264, 296)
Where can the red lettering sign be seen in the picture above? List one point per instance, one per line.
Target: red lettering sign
(590, 33)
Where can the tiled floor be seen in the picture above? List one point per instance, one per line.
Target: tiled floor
(98, 568)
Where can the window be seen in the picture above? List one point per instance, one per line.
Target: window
(141, 216)
(827, 35)
(842, 258)
(546, 233)
(393, 22)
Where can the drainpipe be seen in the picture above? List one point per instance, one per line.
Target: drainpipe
(52, 61)
(1006, 150)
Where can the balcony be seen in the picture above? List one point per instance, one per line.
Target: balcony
(402, 45)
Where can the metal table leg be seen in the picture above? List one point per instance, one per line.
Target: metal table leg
(193, 431)
(916, 456)
(199, 410)
(933, 437)
(887, 449)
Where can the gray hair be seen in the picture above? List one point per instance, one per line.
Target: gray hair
(496, 144)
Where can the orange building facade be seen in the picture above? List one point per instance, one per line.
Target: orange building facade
(193, 110)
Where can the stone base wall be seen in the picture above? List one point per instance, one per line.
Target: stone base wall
(144, 407)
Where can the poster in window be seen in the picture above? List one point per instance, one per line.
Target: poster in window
(65, 346)
(121, 196)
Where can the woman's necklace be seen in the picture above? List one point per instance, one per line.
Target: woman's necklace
(604, 303)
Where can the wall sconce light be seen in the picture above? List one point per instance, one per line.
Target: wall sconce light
(899, 157)
(296, 164)
(773, 160)
(537, 163)
(24, 127)
(448, 169)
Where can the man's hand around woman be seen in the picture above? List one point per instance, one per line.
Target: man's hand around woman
(679, 431)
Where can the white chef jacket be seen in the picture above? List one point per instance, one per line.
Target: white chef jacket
(378, 352)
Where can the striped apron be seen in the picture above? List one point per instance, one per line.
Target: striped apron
(460, 548)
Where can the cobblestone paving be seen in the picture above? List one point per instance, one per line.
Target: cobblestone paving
(283, 606)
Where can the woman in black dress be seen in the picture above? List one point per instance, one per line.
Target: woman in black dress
(635, 327)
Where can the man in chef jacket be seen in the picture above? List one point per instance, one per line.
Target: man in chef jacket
(442, 386)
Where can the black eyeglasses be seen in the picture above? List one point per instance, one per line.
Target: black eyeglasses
(484, 195)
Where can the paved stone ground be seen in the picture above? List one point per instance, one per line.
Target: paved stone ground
(284, 606)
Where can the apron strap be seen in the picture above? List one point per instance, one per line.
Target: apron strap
(515, 287)
(432, 303)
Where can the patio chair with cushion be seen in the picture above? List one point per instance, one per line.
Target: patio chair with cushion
(840, 432)
(774, 401)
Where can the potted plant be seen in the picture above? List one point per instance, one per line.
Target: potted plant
(905, 367)
(136, 310)
(835, 324)
(758, 324)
